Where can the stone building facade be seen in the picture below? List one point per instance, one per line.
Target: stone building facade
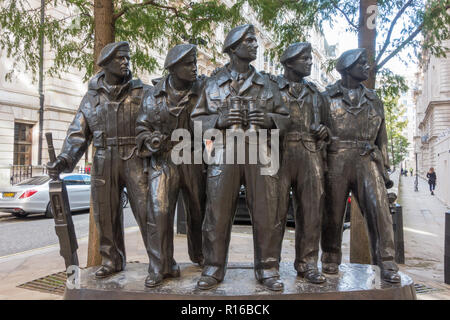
(19, 99)
(408, 101)
(432, 138)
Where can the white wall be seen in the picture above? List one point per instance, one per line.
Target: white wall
(442, 149)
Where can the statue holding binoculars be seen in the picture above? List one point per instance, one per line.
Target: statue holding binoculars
(240, 97)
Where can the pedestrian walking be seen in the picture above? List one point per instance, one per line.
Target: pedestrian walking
(431, 175)
(411, 171)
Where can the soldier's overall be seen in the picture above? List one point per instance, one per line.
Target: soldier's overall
(302, 166)
(167, 107)
(107, 118)
(357, 162)
(239, 81)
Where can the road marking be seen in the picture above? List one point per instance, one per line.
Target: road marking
(29, 251)
(420, 232)
(56, 245)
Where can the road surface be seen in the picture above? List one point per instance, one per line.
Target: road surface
(36, 231)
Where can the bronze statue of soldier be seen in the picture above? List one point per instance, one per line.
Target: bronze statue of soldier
(107, 117)
(357, 162)
(302, 166)
(239, 81)
(167, 107)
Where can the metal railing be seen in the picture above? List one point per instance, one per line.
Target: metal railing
(20, 173)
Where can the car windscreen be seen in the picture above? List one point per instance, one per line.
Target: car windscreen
(35, 181)
(77, 180)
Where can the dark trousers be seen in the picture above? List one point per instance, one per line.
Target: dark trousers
(166, 180)
(432, 185)
(110, 175)
(348, 171)
(223, 184)
(303, 171)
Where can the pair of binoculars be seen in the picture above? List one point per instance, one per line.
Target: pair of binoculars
(245, 106)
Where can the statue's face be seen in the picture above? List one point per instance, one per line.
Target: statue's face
(186, 68)
(360, 69)
(247, 49)
(119, 65)
(301, 65)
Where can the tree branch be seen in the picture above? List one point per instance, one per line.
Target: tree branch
(36, 9)
(143, 4)
(345, 15)
(87, 39)
(391, 28)
(400, 47)
(404, 43)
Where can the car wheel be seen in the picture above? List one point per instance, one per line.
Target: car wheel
(20, 214)
(49, 211)
(124, 199)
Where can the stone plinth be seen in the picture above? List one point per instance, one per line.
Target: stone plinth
(354, 281)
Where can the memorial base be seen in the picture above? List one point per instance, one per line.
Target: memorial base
(354, 281)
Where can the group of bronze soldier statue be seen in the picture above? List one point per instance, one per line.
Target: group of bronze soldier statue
(332, 143)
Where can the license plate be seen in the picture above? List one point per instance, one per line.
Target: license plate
(8, 194)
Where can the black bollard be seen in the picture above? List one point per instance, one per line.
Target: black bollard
(181, 216)
(447, 249)
(397, 219)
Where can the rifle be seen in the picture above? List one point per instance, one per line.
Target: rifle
(59, 201)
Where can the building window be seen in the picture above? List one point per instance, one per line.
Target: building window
(22, 144)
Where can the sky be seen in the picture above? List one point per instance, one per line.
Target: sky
(348, 40)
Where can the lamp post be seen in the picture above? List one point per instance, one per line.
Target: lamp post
(41, 80)
(416, 182)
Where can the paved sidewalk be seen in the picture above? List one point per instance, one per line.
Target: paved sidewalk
(424, 235)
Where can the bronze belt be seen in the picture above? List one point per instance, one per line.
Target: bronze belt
(299, 136)
(121, 141)
(350, 144)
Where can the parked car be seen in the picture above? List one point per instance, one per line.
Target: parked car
(242, 214)
(32, 195)
(348, 209)
(124, 198)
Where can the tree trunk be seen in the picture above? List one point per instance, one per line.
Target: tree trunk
(359, 248)
(104, 34)
(103, 25)
(367, 35)
(392, 152)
